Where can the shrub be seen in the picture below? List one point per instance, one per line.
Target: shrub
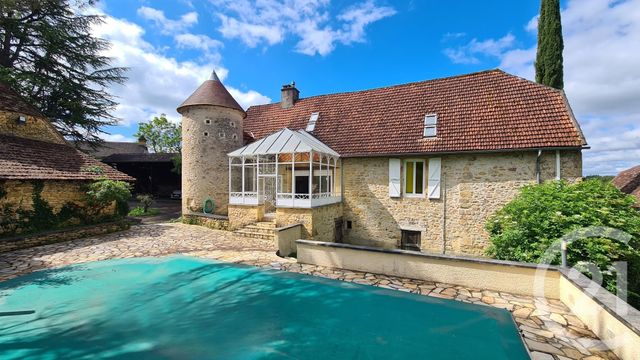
(103, 193)
(139, 211)
(146, 201)
(541, 214)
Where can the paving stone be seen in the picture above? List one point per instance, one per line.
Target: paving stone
(536, 355)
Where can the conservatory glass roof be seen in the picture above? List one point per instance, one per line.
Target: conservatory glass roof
(284, 141)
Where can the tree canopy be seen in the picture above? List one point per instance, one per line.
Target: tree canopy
(48, 54)
(162, 135)
(549, 61)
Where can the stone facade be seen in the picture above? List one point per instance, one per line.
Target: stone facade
(208, 133)
(35, 128)
(474, 186)
(318, 223)
(55, 192)
(242, 215)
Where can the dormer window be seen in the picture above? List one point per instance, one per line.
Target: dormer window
(430, 124)
(21, 120)
(312, 122)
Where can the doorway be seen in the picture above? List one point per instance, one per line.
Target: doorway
(267, 188)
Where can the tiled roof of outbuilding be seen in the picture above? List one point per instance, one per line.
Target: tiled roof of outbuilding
(628, 181)
(13, 102)
(26, 159)
(484, 111)
(140, 158)
(109, 148)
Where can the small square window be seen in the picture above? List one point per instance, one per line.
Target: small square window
(410, 240)
(206, 133)
(22, 120)
(207, 121)
(349, 224)
(430, 125)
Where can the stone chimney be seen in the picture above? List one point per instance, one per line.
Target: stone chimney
(289, 95)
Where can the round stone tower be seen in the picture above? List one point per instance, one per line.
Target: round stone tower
(211, 128)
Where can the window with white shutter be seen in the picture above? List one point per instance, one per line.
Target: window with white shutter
(435, 174)
(394, 177)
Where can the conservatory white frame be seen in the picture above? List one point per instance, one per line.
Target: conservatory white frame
(278, 155)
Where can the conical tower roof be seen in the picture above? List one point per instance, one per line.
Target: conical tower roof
(211, 92)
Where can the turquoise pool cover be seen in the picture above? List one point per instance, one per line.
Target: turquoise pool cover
(186, 308)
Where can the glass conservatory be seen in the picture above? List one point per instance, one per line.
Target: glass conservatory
(285, 169)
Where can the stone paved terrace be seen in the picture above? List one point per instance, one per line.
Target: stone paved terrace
(549, 329)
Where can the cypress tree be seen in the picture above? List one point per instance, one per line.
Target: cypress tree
(549, 69)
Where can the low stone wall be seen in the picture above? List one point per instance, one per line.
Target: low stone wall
(215, 222)
(614, 321)
(50, 237)
(507, 276)
(243, 215)
(318, 222)
(285, 238)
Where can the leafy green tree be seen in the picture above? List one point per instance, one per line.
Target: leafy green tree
(47, 53)
(549, 67)
(541, 214)
(146, 200)
(103, 193)
(162, 135)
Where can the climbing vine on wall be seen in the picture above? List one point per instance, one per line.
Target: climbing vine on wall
(41, 217)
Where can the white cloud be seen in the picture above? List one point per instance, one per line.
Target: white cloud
(471, 52)
(270, 22)
(156, 83)
(166, 25)
(602, 77)
(116, 137)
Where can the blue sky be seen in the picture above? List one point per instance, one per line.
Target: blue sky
(334, 46)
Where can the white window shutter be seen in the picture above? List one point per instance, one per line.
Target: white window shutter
(435, 173)
(394, 177)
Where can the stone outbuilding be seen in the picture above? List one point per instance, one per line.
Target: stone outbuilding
(33, 155)
(418, 166)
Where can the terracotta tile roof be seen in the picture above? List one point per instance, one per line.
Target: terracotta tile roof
(12, 101)
(109, 148)
(211, 92)
(26, 159)
(628, 181)
(484, 111)
(139, 158)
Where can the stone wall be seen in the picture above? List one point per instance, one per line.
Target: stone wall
(55, 192)
(208, 134)
(243, 215)
(474, 187)
(35, 128)
(215, 222)
(50, 237)
(318, 223)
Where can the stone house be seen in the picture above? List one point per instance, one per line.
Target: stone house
(33, 152)
(416, 166)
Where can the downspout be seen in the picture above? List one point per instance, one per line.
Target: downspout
(444, 215)
(538, 180)
(558, 174)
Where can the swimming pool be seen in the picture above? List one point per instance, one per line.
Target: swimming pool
(188, 308)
